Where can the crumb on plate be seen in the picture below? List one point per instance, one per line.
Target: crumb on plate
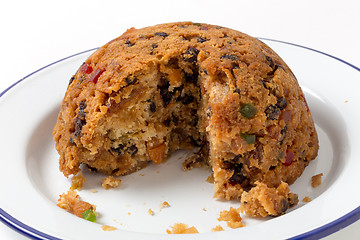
(210, 179)
(232, 217)
(151, 212)
(110, 182)
(182, 228)
(71, 202)
(164, 204)
(108, 228)
(263, 201)
(306, 199)
(218, 228)
(77, 182)
(316, 180)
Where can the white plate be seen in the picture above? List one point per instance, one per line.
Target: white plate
(30, 181)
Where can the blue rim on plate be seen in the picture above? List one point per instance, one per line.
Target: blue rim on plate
(316, 233)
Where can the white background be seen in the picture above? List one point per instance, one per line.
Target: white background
(36, 33)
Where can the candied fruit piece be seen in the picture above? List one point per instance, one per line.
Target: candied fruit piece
(248, 110)
(95, 76)
(288, 158)
(86, 68)
(157, 153)
(249, 138)
(81, 207)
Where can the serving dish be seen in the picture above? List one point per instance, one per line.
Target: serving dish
(31, 182)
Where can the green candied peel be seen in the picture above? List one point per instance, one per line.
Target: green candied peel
(249, 138)
(89, 215)
(248, 110)
(197, 24)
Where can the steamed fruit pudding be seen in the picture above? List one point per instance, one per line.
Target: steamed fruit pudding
(186, 85)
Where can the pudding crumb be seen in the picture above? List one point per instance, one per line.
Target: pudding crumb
(182, 228)
(316, 180)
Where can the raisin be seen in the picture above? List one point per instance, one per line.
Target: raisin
(130, 80)
(78, 126)
(175, 119)
(152, 107)
(235, 66)
(273, 71)
(119, 150)
(271, 61)
(161, 34)
(230, 56)
(192, 78)
(281, 103)
(71, 80)
(71, 140)
(129, 43)
(237, 90)
(237, 177)
(283, 134)
(82, 105)
(236, 158)
(284, 205)
(81, 115)
(272, 65)
(272, 167)
(167, 122)
(201, 40)
(272, 112)
(166, 96)
(191, 55)
(186, 99)
(80, 121)
(195, 119)
(173, 62)
(132, 150)
(154, 45)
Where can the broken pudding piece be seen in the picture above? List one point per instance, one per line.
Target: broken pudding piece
(262, 201)
(187, 85)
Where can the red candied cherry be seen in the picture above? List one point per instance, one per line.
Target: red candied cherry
(289, 157)
(86, 68)
(95, 76)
